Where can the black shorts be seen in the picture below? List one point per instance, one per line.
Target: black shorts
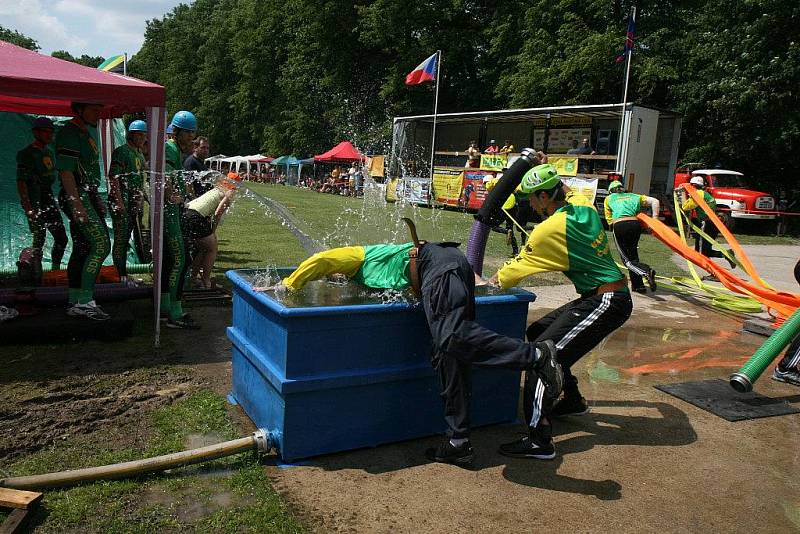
(195, 226)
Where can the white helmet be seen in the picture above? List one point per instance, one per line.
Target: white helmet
(697, 181)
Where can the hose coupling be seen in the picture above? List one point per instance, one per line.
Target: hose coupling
(263, 441)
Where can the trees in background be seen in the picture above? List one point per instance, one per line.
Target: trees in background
(296, 76)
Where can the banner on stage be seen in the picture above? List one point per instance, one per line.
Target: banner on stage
(447, 185)
(473, 192)
(565, 165)
(583, 187)
(414, 190)
(493, 162)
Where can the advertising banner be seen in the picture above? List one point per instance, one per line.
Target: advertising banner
(447, 185)
(582, 187)
(565, 165)
(415, 190)
(391, 190)
(473, 193)
(493, 162)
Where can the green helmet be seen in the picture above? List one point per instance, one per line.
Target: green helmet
(615, 184)
(540, 178)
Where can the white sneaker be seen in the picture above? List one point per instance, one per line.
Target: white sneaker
(89, 310)
(7, 314)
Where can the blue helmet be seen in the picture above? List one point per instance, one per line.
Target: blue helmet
(137, 126)
(43, 123)
(185, 120)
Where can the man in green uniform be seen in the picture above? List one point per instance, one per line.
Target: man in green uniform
(36, 172)
(77, 161)
(621, 209)
(570, 240)
(126, 178)
(175, 261)
(440, 274)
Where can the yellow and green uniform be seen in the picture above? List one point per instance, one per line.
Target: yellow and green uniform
(618, 205)
(77, 152)
(175, 261)
(377, 266)
(127, 164)
(572, 241)
(689, 204)
(36, 172)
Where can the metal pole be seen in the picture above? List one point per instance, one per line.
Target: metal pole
(125, 65)
(623, 130)
(435, 108)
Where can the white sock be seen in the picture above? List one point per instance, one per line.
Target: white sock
(457, 442)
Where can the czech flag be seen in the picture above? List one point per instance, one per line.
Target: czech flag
(425, 71)
(628, 40)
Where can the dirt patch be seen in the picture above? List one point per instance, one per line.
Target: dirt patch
(51, 392)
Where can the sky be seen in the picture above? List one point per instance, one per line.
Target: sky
(93, 27)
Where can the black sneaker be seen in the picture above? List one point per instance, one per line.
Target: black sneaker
(570, 406)
(651, 279)
(548, 368)
(791, 376)
(729, 260)
(450, 454)
(186, 322)
(528, 448)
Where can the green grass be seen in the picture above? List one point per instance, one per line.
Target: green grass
(261, 239)
(227, 495)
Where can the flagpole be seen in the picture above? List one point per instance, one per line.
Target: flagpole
(435, 108)
(125, 65)
(623, 128)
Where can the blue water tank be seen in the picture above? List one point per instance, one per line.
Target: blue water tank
(333, 378)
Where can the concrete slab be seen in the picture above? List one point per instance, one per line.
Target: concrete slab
(775, 264)
(642, 460)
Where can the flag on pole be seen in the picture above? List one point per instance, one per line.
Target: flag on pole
(425, 71)
(113, 64)
(628, 40)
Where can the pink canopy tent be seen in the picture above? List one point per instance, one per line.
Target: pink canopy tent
(344, 152)
(33, 83)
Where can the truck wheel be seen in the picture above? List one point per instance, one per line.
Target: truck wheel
(727, 220)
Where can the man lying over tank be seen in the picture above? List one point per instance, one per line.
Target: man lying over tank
(441, 276)
(571, 240)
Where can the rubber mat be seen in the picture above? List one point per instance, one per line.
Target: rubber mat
(718, 397)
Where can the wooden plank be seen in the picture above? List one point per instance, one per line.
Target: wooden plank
(11, 498)
(15, 522)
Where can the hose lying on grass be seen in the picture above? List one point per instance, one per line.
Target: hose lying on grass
(259, 440)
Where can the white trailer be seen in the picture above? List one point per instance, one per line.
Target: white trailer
(645, 154)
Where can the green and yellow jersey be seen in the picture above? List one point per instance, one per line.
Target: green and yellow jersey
(174, 165)
(375, 266)
(77, 151)
(127, 163)
(572, 241)
(619, 205)
(36, 167)
(689, 204)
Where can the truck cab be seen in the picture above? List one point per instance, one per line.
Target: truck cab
(735, 200)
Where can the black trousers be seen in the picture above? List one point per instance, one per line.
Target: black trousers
(579, 326)
(704, 247)
(448, 298)
(791, 359)
(626, 237)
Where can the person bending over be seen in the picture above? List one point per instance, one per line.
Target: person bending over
(441, 275)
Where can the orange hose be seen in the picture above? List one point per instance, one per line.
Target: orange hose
(782, 302)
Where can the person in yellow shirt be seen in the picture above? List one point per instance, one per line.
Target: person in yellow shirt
(621, 209)
(440, 274)
(570, 240)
